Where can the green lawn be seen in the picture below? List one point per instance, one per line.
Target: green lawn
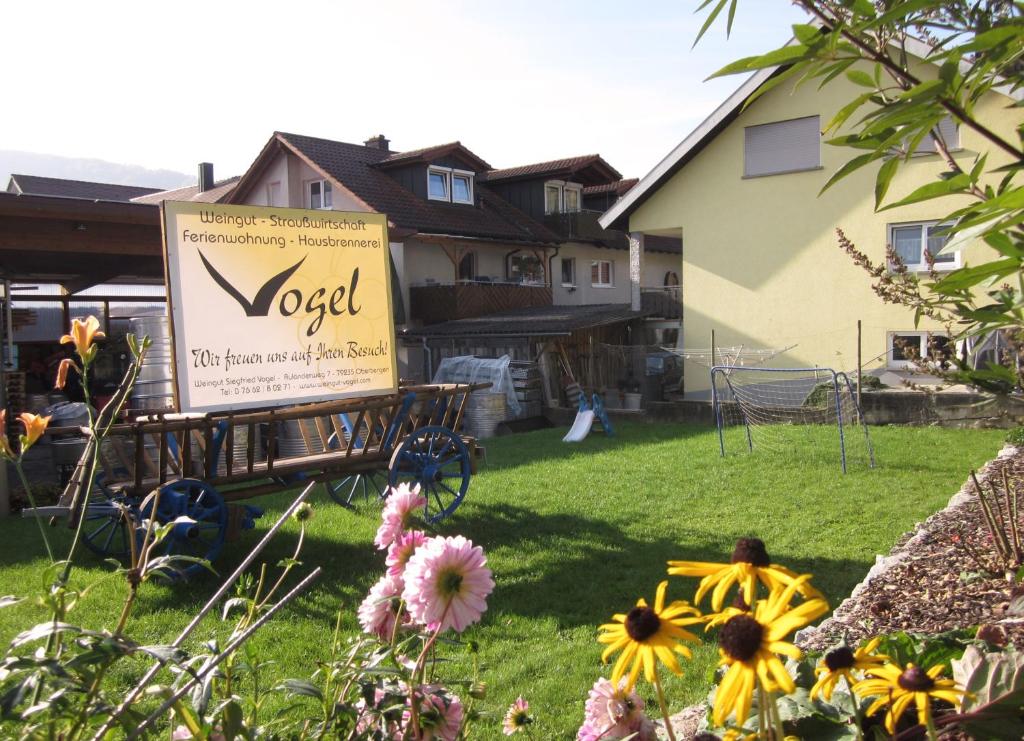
(575, 533)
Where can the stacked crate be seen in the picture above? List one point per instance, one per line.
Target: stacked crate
(527, 381)
(17, 401)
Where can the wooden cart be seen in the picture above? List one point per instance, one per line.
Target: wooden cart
(201, 465)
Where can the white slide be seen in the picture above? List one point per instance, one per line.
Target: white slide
(581, 427)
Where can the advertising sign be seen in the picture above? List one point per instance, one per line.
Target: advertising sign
(273, 306)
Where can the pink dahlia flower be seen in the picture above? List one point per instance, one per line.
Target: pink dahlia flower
(378, 612)
(397, 512)
(401, 551)
(447, 583)
(440, 715)
(517, 717)
(612, 713)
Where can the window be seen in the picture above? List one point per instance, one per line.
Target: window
(274, 194)
(950, 133)
(784, 146)
(319, 192)
(525, 269)
(446, 184)
(561, 197)
(569, 271)
(911, 349)
(912, 241)
(671, 279)
(602, 274)
(438, 184)
(467, 266)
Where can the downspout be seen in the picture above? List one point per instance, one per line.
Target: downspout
(428, 361)
(551, 274)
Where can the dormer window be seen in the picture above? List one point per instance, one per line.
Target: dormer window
(318, 194)
(446, 184)
(562, 197)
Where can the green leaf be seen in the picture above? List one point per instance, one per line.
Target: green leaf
(864, 8)
(922, 90)
(776, 58)
(301, 688)
(860, 77)
(806, 33)
(855, 164)
(884, 177)
(710, 19)
(967, 277)
(991, 38)
(995, 687)
(901, 11)
(955, 184)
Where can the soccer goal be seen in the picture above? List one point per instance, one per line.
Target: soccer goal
(782, 408)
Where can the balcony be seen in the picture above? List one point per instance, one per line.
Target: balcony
(436, 303)
(662, 301)
(583, 226)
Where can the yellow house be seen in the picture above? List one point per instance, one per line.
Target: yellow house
(761, 263)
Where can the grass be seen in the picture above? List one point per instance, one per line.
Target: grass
(573, 533)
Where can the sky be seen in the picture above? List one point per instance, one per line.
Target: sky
(168, 85)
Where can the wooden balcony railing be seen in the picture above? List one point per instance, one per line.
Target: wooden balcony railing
(583, 226)
(662, 301)
(432, 304)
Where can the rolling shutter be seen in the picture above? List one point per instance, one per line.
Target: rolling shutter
(784, 146)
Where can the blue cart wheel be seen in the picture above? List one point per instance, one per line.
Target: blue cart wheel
(105, 530)
(435, 458)
(203, 538)
(345, 489)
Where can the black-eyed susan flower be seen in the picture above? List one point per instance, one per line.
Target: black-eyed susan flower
(841, 662)
(749, 564)
(749, 644)
(646, 635)
(898, 687)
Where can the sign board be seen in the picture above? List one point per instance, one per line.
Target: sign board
(273, 306)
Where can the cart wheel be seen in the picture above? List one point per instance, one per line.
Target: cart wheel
(105, 530)
(435, 458)
(347, 488)
(200, 502)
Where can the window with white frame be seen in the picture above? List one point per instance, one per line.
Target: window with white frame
(569, 272)
(318, 194)
(274, 193)
(447, 184)
(602, 274)
(561, 197)
(915, 242)
(913, 349)
(782, 146)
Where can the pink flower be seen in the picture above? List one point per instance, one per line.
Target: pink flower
(440, 715)
(517, 717)
(379, 610)
(401, 550)
(397, 512)
(447, 583)
(613, 714)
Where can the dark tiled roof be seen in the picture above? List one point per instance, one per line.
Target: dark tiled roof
(618, 187)
(427, 154)
(567, 166)
(671, 245)
(215, 194)
(352, 166)
(534, 321)
(60, 187)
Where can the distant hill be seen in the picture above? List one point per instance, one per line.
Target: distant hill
(75, 168)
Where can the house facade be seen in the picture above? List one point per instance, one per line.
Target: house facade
(761, 264)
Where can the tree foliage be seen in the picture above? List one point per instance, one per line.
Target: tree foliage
(977, 49)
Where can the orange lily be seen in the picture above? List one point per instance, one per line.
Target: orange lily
(62, 372)
(5, 447)
(83, 333)
(35, 426)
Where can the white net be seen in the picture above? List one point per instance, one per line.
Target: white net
(471, 369)
(735, 355)
(791, 411)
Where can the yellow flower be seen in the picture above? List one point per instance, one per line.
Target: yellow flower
(5, 446)
(840, 662)
(62, 372)
(899, 687)
(750, 563)
(83, 334)
(35, 426)
(646, 634)
(748, 644)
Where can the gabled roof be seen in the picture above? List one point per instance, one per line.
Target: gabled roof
(216, 194)
(352, 169)
(36, 185)
(590, 169)
(534, 321)
(618, 187)
(429, 154)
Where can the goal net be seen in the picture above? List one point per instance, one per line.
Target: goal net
(794, 410)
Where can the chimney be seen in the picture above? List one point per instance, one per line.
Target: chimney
(378, 142)
(205, 176)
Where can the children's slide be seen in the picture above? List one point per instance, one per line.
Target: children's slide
(581, 427)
